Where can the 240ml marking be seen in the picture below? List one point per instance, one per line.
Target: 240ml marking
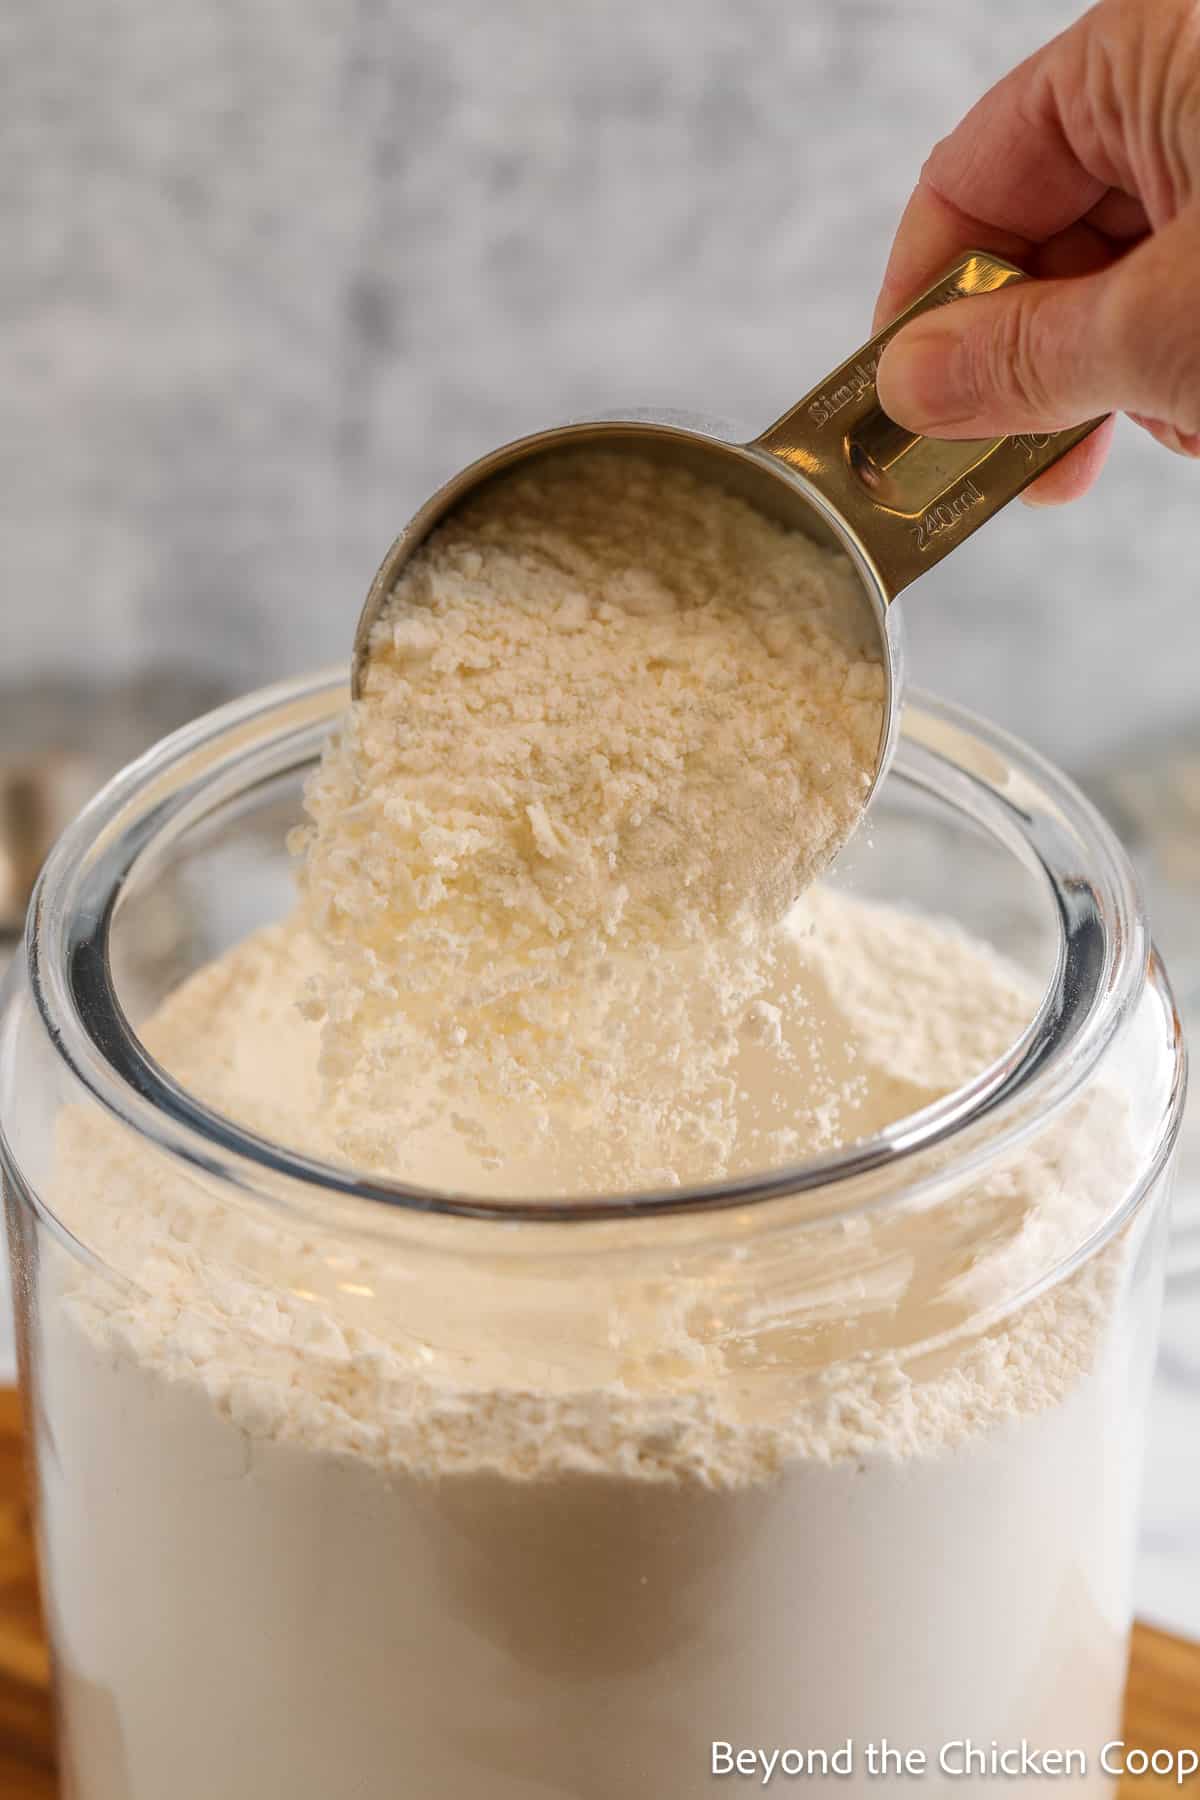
(947, 515)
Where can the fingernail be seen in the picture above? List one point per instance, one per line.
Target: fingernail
(1184, 443)
(920, 379)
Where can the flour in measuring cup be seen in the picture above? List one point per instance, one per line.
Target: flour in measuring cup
(613, 722)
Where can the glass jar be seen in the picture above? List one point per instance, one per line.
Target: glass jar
(353, 1488)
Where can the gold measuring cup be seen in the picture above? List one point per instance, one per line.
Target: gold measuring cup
(834, 467)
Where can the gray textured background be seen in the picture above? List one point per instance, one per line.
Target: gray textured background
(273, 267)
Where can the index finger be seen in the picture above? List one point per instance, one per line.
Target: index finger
(1016, 172)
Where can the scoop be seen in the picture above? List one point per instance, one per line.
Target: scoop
(834, 467)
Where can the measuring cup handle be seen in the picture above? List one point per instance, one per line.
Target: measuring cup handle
(909, 500)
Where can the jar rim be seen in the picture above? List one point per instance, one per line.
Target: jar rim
(1028, 806)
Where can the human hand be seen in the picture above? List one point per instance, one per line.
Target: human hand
(1083, 166)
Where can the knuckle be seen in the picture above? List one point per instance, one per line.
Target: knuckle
(1014, 358)
(1152, 48)
(1137, 20)
(1121, 323)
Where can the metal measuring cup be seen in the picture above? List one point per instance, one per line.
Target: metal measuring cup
(834, 467)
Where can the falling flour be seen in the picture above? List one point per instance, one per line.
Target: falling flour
(537, 1512)
(611, 715)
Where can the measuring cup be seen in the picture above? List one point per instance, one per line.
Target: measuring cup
(834, 467)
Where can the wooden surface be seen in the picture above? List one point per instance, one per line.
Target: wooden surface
(26, 1751)
(1163, 1704)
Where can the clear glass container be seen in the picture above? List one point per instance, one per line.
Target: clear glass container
(1150, 792)
(351, 1488)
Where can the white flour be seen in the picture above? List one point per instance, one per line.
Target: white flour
(610, 710)
(327, 1518)
(470, 1511)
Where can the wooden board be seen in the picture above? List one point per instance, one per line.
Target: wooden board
(26, 1742)
(1162, 1708)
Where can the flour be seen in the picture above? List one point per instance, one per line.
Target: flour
(536, 1511)
(610, 711)
(491, 1510)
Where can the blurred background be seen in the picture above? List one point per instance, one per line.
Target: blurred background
(272, 271)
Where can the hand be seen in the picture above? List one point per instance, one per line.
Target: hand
(1083, 166)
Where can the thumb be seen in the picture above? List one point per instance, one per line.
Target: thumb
(1042, 355)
